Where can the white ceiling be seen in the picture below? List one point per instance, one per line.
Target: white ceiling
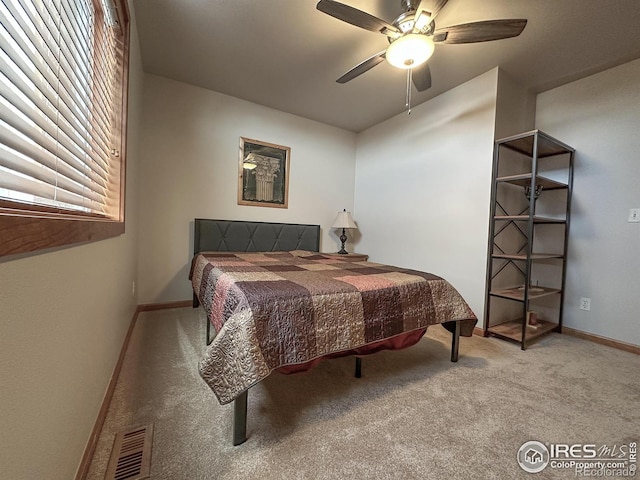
(285, 54)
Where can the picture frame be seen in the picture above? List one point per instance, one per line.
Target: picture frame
(263, 174)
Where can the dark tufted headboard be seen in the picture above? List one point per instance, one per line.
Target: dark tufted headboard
(241, 236)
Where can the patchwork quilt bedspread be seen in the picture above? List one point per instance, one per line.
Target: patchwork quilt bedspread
(276, 309)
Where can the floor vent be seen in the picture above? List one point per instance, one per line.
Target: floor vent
(131, 454)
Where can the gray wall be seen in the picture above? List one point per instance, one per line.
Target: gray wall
(189, 168)
(423, 184)
(600, 117)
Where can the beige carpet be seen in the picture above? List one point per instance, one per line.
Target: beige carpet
(414, 414)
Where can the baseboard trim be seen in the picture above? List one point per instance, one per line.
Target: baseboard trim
(85, 463)
(627, 347)
(478, 331)
(149, 307)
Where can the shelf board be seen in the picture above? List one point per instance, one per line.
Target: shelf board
(517, 293)
(524, 180)
(547, 146)
(534, 256)
(513, 330)
(524, 218)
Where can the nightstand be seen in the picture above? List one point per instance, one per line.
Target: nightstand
(349, 257)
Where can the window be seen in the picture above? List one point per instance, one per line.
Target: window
(63, 97)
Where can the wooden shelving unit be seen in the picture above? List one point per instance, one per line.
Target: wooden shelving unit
(525, 168)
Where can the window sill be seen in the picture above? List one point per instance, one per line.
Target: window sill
(22, 234)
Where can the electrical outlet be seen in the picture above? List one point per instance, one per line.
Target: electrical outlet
(585, 303)
(133, 288)
(634, 215)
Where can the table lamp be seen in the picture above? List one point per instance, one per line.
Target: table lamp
(344, 221)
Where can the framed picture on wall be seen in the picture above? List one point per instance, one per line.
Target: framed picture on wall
(263, 174)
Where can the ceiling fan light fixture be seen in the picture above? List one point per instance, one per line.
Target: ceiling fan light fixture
(410, 50)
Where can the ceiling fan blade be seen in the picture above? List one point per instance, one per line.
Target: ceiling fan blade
(365, 66)
(480, 31)
(431, 8)
(421, 77)
(355, 17)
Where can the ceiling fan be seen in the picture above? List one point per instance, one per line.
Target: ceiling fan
(413, 36)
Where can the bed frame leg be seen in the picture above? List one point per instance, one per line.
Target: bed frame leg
(209, 339)
(455, 342)
(240, 419)
(196, 302)
(358, 367)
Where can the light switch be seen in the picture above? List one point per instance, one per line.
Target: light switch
(634, 215)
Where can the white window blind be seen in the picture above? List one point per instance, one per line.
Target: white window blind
(62, 76)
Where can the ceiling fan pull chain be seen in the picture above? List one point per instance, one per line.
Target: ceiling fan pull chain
(408, 100)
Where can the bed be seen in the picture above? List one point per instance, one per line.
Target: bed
(276, 303)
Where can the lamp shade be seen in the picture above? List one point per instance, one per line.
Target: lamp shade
(410, 50)
(344, 220)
